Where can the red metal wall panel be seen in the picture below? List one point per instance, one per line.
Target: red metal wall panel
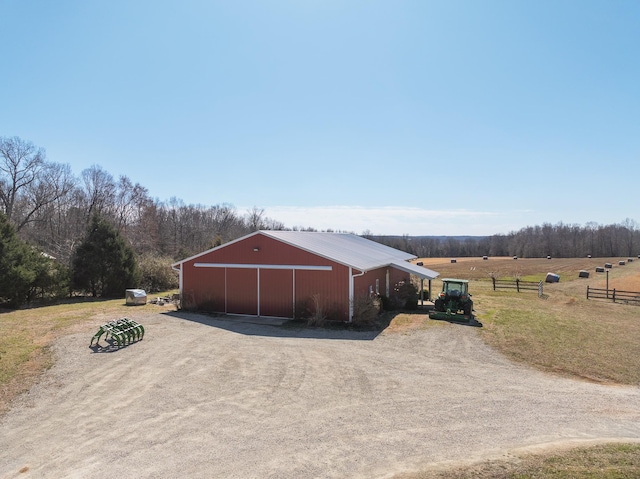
(362, 283)
(397, 275)
(242, 291)
(276, 292)
(270, 251)
(329, 288)
(204, 289)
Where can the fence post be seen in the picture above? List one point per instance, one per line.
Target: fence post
(587, 291)
(540, 290)
(614, 295)
(517, 285)
(494, 283)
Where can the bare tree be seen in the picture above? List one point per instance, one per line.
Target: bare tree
(53, 183)
(20, 164)
(30, 184)
(255, 218)
(100, 191)
(128, 200)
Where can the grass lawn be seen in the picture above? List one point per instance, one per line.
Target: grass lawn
(608, 461)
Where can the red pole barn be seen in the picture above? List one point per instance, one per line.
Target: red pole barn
(278, 274)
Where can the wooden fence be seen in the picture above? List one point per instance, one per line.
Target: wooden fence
(518, 285)
(614, 295)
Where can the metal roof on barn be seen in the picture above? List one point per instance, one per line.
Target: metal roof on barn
(351, 250)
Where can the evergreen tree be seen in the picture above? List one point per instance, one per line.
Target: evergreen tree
(19, 266)
(103, 264)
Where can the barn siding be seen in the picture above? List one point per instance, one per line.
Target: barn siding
(331, 289)
(242, 291)
(270, 251)
(206, 286)
(204, 289)
(362, 283)
(276, 292)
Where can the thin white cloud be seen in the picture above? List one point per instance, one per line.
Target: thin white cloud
(391, 220)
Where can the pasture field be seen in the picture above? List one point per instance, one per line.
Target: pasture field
(562, 332)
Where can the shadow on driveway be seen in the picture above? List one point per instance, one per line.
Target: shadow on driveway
(275, 327)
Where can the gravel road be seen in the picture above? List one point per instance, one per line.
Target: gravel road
(206, 398)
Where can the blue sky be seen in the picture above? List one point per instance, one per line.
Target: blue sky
(396, 117)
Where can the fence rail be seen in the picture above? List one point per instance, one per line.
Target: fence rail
(518, 285)
(615, 295)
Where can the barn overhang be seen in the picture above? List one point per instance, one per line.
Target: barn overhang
(419, 271)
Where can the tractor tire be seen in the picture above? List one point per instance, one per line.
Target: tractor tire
(468, 308)
(439, 305)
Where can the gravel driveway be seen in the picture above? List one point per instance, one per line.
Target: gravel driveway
(207, 398)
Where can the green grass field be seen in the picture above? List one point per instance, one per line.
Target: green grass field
(607, 461)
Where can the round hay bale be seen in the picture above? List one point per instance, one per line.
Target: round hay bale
(420, 263)
(621, 263)
(589, 256)
(599, 269)
(608, 265)
(453, 260)
(515, 257)
(485, 257)
(583, 274)
(629, 260)
(548, 256)
(552, 278)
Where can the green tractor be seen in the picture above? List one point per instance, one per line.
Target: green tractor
(454, 301)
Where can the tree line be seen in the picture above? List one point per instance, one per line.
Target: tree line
(51, 208)
(47, 216)
(94, 233)
(559, 240)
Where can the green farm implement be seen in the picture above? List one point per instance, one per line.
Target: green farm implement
(453, 302)
(122, 331)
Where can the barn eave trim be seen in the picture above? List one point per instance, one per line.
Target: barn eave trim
(299, 267)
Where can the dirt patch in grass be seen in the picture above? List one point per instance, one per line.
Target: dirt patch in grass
(627, 283)
(406, 322)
